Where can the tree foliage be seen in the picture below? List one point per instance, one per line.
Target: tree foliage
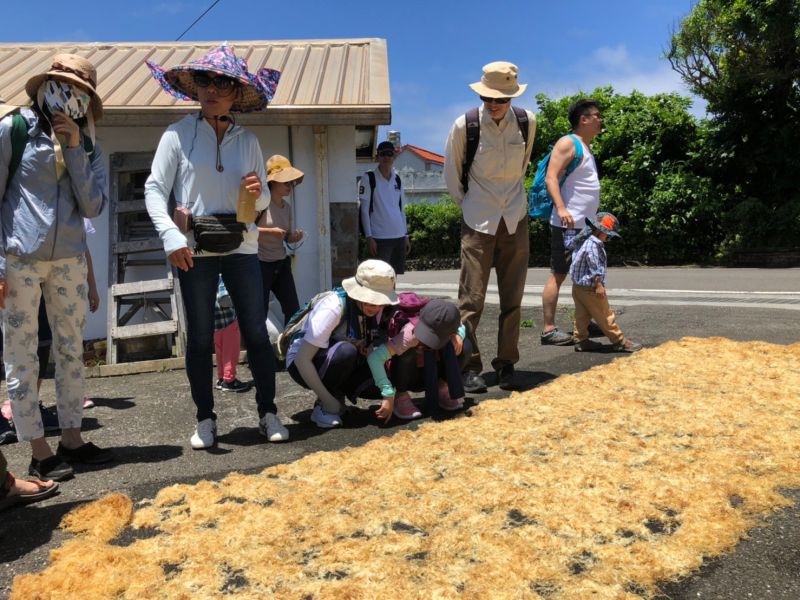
(689, 190)
(435, 228)
(652, 173)
(653, 177)
(743, 58)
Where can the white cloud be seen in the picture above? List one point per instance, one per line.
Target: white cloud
(616, 58)
(615, 66)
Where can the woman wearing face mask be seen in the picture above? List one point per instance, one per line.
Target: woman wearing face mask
(52, 175)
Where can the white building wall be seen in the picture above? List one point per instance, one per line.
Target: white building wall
(342, 157)
(409, 160)
(422, 186)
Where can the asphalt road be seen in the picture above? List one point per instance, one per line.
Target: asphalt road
(148, 418)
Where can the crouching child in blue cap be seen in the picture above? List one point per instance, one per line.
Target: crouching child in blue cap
(428, 352)
(588, 272)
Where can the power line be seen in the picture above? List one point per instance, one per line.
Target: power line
(213, 4)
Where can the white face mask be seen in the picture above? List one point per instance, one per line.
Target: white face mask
(67, 98)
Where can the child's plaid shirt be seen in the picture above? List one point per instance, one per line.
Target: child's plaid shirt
(224, 314)
(588, 262)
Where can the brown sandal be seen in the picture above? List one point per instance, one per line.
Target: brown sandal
(7, 501)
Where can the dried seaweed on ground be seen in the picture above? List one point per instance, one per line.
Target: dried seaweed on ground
(600, 485)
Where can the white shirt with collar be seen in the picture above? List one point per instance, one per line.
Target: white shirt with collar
(387, 220)
(497, 173)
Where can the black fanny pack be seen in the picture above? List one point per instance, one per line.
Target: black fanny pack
(217, 233)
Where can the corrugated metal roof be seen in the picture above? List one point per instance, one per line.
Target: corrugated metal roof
(323, 82)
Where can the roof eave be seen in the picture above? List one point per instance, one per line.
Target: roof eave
(274, 115)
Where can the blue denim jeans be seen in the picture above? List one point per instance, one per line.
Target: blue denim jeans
(242, 277)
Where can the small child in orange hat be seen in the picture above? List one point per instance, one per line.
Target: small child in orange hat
(588, 273)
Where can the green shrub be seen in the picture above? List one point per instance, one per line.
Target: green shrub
(435, 228)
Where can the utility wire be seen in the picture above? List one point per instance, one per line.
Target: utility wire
(197, 19)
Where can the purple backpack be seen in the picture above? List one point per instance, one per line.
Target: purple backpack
(404, 312)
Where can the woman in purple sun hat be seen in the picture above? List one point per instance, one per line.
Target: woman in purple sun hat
(215, 170)
(253, 93)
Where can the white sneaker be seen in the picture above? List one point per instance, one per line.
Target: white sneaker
(270, 427)
(325, 420)
(205, 434)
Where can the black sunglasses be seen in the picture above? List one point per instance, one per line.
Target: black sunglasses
(222, 83)
(495, 100)
(386, 153)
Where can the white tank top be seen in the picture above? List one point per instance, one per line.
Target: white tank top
(581, 191)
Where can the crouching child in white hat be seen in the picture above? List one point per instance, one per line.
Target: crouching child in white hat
(326, 346)
(427, 353)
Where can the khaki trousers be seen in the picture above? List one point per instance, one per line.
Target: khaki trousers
(588, 305)
(508, 254)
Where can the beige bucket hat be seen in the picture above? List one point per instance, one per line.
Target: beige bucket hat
(374, 283)
(72, 69)
(281, 170)
(500, 80)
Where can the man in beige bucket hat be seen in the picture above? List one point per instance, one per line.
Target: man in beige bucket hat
(486, 158)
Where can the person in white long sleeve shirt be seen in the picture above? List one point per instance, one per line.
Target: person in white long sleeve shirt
(494, 228)
(204, 159)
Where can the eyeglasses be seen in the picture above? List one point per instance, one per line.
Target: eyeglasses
(224, 85)
(495, 100)
(386, 153)
(595, 114)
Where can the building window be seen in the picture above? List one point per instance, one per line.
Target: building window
(365, 141)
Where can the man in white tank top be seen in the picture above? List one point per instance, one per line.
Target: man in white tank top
(576, 199)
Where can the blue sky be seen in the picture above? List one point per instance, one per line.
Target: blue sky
(435, 48)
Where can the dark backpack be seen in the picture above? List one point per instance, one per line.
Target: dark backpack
(371, 176)
(19, 139)
(474, 137)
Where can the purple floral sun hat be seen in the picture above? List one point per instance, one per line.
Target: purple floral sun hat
(256, 92)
